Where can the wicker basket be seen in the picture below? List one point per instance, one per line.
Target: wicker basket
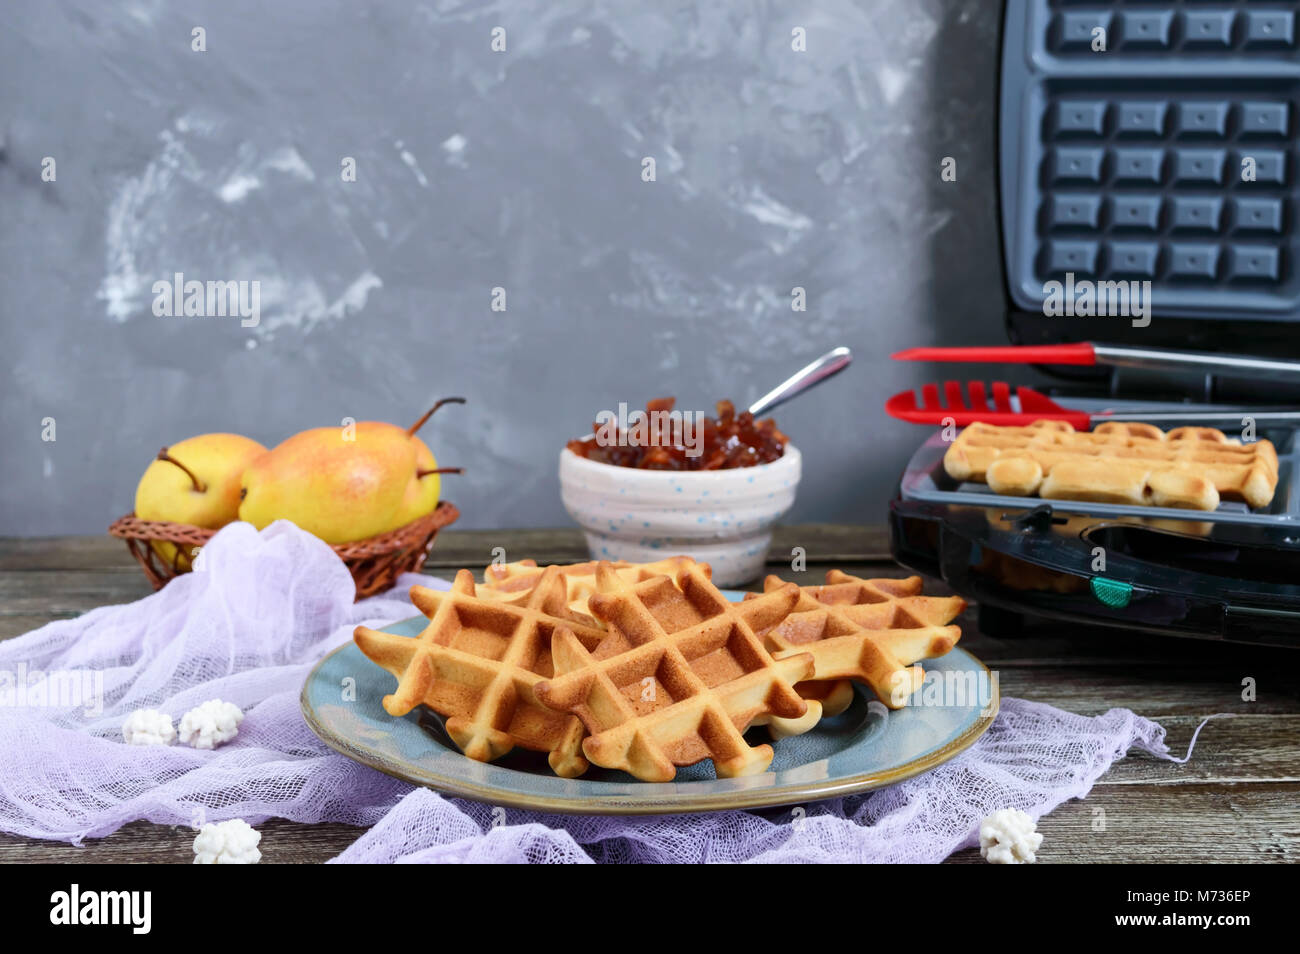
(375, 562)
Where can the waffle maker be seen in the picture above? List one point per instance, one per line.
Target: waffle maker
(1126, 164)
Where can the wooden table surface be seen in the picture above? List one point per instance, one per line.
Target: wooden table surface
(1237, 800)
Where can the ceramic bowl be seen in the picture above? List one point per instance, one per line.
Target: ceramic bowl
(720, 517)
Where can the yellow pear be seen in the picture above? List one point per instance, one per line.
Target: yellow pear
(424, 488)
(195, 481)
(345, 483)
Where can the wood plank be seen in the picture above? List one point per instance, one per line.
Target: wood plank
(456, 548)
(1151, 690)
(1244, 748)
(832, 543)
(64, 553)
(822, 543)
(31, 597)
(1195, 823)
(1206, 678)
(69, 593)
(474, 548)
(22, 623)
(283, 842)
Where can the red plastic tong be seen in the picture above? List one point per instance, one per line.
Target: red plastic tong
(956, 409)
(966, 405)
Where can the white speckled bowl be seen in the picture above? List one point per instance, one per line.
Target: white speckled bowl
(720, 517)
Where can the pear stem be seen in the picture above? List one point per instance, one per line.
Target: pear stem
(439, 470)
(199, 485)
(429, 413)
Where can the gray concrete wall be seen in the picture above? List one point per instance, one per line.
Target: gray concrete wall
(476, 169)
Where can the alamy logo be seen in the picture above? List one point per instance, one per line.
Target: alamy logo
(178, 298)
(683, 429)
(75, 906)
(960, 689)
(25, 688)
(1089, 299)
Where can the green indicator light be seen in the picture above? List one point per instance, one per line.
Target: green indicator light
(1111, 593)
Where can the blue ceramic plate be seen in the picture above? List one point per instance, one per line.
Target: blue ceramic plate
(865, 747)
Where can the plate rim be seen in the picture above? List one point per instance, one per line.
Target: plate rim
(650, 805)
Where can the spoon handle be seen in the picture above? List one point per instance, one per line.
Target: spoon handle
(828, 365)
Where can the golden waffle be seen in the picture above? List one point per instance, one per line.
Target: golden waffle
(826, 698)
(871, 631)
(507, 580)
(1189, 467)
(678, 677)
(478, 663)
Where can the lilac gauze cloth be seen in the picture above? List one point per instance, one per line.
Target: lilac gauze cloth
(264, 607)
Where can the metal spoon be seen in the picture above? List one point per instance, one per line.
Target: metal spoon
(827, 366)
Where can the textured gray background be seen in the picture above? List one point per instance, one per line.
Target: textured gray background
(776, 169)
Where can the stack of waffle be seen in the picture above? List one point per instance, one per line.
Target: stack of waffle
(649, 667)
